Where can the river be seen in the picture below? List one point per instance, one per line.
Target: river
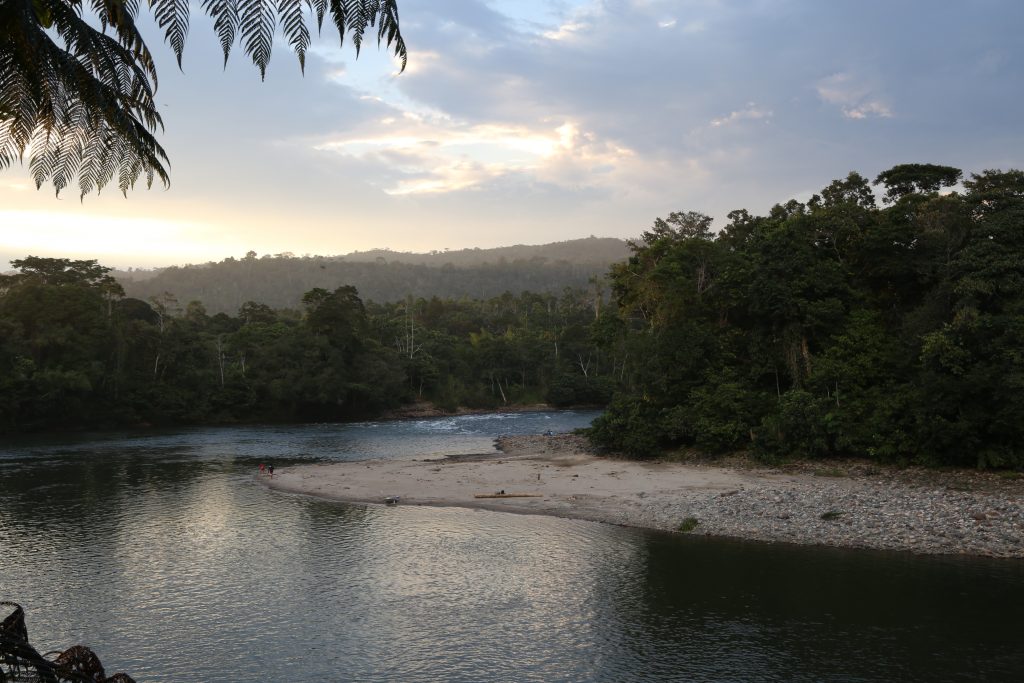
(161, 552)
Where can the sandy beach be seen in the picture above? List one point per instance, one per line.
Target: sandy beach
(845, 504)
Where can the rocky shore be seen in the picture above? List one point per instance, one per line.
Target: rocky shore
(849, 504)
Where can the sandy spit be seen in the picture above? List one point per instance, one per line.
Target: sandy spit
(851, 505)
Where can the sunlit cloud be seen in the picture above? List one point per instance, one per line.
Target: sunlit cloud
(580, 20)
(666, 23)
(565, 31)
(750, 113)
(420, 62)
(336, 75)
(854, 99)
(437, 156)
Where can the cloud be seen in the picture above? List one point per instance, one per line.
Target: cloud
(867, 109)
(566, 31)
(750, 113)
(854, 99)
(420, 155)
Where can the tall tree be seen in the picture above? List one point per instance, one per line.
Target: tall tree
(905, 179)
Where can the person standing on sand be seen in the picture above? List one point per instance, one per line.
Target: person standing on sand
(262, 468)
(270, 470)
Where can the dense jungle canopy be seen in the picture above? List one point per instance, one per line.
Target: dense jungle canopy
(835, 327)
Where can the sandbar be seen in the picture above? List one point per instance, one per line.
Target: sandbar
(857, 505)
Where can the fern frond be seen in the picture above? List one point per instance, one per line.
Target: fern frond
(172, 16)
(389, 31)
(293, 24)
(225, 22)
(319, 8)
(65, 102)
(78, 101)
(258, 21)
(353, 17)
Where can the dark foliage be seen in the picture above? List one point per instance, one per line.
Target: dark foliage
(78, 97)
(831, 329)
(77, 354)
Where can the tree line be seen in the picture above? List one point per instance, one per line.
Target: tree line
(77, 353)
(834, 327)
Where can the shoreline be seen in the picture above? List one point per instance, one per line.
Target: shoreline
(853, 505)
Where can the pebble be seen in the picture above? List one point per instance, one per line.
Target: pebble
(875, 514)
(968, 512)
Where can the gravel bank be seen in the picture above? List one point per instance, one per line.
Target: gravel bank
(847, 504)
(856, 504)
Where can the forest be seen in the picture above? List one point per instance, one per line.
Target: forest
(833, 327)
(79, 354)
(842, 326)
(280, 280)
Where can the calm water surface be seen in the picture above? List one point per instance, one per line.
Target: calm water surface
(161, 552)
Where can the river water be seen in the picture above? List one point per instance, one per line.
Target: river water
(162, 552)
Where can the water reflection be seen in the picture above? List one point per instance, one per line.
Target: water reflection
(791, 613)
(175, 565)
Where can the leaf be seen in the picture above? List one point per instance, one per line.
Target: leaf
(172, 16)
(258, 21)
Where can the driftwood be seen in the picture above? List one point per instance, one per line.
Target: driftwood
(21, 663)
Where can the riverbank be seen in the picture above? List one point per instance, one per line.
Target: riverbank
(850, 505)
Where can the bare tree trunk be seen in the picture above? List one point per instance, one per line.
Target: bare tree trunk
(805, 351)
(220, 358)
(583, 367)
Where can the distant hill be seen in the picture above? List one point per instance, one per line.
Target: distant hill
(592, 250)
(381, 275)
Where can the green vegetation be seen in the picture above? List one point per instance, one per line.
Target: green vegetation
(77, 353)
(828, 329)
(279, 281)
(831, 328)
(77, 95)
(688, 525)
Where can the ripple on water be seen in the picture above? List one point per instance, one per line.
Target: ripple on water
(176, 566)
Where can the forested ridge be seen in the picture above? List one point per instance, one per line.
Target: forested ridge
(835, 327)
(381, 275)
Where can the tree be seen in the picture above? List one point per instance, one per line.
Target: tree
(80, 100)
(905, 179)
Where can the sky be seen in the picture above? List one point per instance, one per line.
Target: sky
(527, 122)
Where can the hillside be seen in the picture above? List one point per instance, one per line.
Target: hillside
(591, 250)
(381, 275)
